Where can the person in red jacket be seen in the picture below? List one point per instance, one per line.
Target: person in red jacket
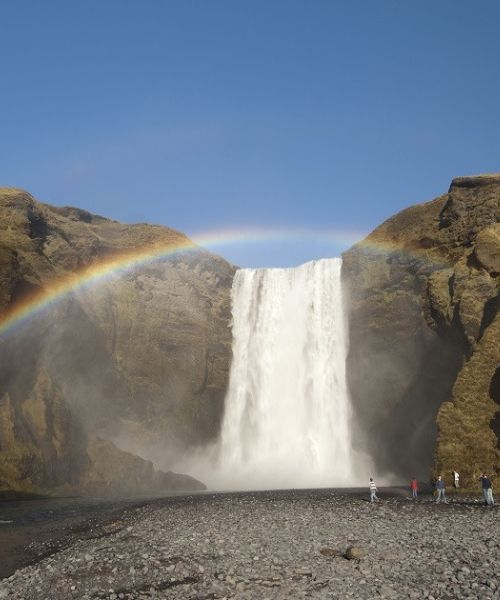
(414, 487)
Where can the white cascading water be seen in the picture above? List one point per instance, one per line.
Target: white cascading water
(287, 414)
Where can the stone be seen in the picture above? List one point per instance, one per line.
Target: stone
(355, 553)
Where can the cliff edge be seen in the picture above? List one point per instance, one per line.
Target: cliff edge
(137, 360)
(424, 360)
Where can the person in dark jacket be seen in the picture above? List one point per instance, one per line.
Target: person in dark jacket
(440, 488)
(487, 489)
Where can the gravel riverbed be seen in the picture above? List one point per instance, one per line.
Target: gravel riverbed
(282, 544)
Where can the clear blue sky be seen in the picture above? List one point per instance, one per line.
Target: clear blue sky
(220, 115)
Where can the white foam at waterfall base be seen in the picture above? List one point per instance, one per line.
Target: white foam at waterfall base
(287, 414)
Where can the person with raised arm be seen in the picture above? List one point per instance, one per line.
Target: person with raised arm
(487, 490)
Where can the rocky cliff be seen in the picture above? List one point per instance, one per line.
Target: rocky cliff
(424, 359)
(135, 365)
(138, 361)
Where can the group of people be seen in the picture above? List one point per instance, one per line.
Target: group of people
(440, 487)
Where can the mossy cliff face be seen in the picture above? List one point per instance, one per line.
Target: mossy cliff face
(424, 358)
(141, 359)
(41, 445)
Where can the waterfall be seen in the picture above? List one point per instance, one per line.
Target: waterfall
(287, 414)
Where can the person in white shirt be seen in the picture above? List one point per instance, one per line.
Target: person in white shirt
(456, 480)
(373, 491)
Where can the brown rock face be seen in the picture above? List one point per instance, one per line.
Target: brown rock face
(423, 300)
(41, 445)
(140, 358)
(116, 471)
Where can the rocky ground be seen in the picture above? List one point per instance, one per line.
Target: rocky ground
(278, 545)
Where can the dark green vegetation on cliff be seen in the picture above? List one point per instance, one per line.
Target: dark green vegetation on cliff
(140, 360)
(424, 359)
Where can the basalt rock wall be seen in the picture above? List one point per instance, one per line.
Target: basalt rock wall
(423, 366)
(137, 360)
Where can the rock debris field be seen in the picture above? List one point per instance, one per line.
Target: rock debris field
(284, 544)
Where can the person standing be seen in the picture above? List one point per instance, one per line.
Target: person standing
(373, 491)
(414, 488)
(456, 480)
(487, 490)
(440, 488)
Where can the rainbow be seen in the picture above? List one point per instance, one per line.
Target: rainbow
(58, 288)
(252, 235)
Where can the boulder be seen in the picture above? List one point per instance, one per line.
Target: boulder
(355, 553)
